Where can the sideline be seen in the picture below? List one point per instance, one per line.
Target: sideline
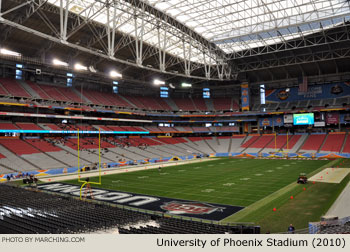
(236, 217)
(123, 169)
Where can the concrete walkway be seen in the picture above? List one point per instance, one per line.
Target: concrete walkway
(341, 207)
(331, 175)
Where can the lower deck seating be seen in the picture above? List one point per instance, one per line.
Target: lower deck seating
(53, 126)
(172, 140)
(313, 142)
(346, 148)
(18, 146)
(292, 142)
(43, 145)
(8, 126)
(250, 141)
(28, 126)
(333, 143)
(195, 139)
(113, 149)
(279, 142)
(262, 142)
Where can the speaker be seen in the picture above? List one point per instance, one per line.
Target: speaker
(38, 71)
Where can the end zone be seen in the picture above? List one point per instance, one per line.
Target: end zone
(331, 175)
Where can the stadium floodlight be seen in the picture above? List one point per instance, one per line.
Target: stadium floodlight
(186, 85)
(8, 52)
(158, 82)
(78, 66)
(115, 74)
(58, 62)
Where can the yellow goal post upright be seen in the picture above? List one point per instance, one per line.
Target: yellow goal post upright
(285, 150)
(99, 164)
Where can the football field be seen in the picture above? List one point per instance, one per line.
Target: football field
(235, 182)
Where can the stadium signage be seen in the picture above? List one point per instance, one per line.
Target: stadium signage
(73, 132)
(72, 117)
(161, 204)
(288, 118)
(303, 119)
(177, 207)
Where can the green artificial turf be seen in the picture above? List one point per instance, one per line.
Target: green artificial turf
(306, 206)
(237, 182)
(257, 184)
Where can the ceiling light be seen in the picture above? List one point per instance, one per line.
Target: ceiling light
(78, 66)
(8, 52)
(57, 62)
(186, 85)
(115, 74)
(158, 82)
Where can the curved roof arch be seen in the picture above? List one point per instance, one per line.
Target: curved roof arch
(235, 25)
(203, 39)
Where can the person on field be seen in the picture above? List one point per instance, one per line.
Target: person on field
(291, 229)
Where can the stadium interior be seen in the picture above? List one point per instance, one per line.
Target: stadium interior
(95, 86)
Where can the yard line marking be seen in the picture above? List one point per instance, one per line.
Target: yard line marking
(228, 184)
(208, 190)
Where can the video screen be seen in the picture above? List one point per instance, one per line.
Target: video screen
(303, 119)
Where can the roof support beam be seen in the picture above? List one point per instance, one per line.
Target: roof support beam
(87, 50)
(161, 49)
(64, 19)
(294, 60)
(332, 36)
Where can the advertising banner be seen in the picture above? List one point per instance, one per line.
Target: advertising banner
(332, 118)
(320, 124)
(278, 121)
(245, 96)
(288, 118)
(345, 118)
(325, 91)
(265, 121)
(271, 121)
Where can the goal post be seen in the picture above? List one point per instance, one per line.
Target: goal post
(283, 150)
(87, 183)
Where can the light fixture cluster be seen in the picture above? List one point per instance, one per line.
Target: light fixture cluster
(80, 67)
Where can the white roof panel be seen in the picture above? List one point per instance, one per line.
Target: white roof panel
(225, 22)
(233, 25)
